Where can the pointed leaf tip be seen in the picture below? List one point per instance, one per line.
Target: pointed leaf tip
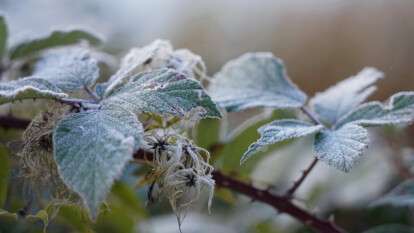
(278, 131)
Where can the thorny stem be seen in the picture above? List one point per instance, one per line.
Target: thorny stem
(298, 182)
(280, 203)
(305, 173)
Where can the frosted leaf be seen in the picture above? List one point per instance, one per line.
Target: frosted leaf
(340, 99)
(185, 61)
(70, 69)
(341, 148)
(278, 131)
(163, 91)
(402, 195)
(255, 80)
(91, 148)
(142, 59)
(56, 38)
(398, 110)
(157, 55)
(29, 88)
(3, 36)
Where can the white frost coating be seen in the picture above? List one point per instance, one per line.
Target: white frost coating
(278, 131)
(398, 110)
(255, 80)
(340, 99)
(136, 61)
(157, 55)
(70, 69)
(185, 61)
(29, 88)
(91, 149)
(400, 196)
(341, 148)
(164, 91)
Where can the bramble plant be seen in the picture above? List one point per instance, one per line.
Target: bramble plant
(145, 112)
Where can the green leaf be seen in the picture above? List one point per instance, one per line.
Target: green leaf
(70, 69)
(41, 215)
(255, 80)
(400, 196)
(91, 149)
(391, 228)
(55, 39)
(398, 110)
(3, 36)
(340, 99)
(280, 130)
(164, 92)
(29, 88)
(126, 198)
(341, 148)
(77, 218)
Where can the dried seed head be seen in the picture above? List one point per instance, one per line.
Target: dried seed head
(181, 170)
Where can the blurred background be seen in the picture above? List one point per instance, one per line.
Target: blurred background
(321, 42)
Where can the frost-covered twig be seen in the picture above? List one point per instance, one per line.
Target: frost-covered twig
(298, 182)
(280, 203)
(305, 172)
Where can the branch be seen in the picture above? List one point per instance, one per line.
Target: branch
(280, 203)
(305, 173)
(297, 183)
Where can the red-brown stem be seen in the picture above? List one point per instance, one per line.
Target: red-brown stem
(298, 182)
(280, 203)
(305, 173)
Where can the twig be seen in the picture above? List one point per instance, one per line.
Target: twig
(298, 182)
(280, 203)
(305, 173)
(91, 93)
(311, 115)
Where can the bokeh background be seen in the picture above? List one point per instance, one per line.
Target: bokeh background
(321, 42)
